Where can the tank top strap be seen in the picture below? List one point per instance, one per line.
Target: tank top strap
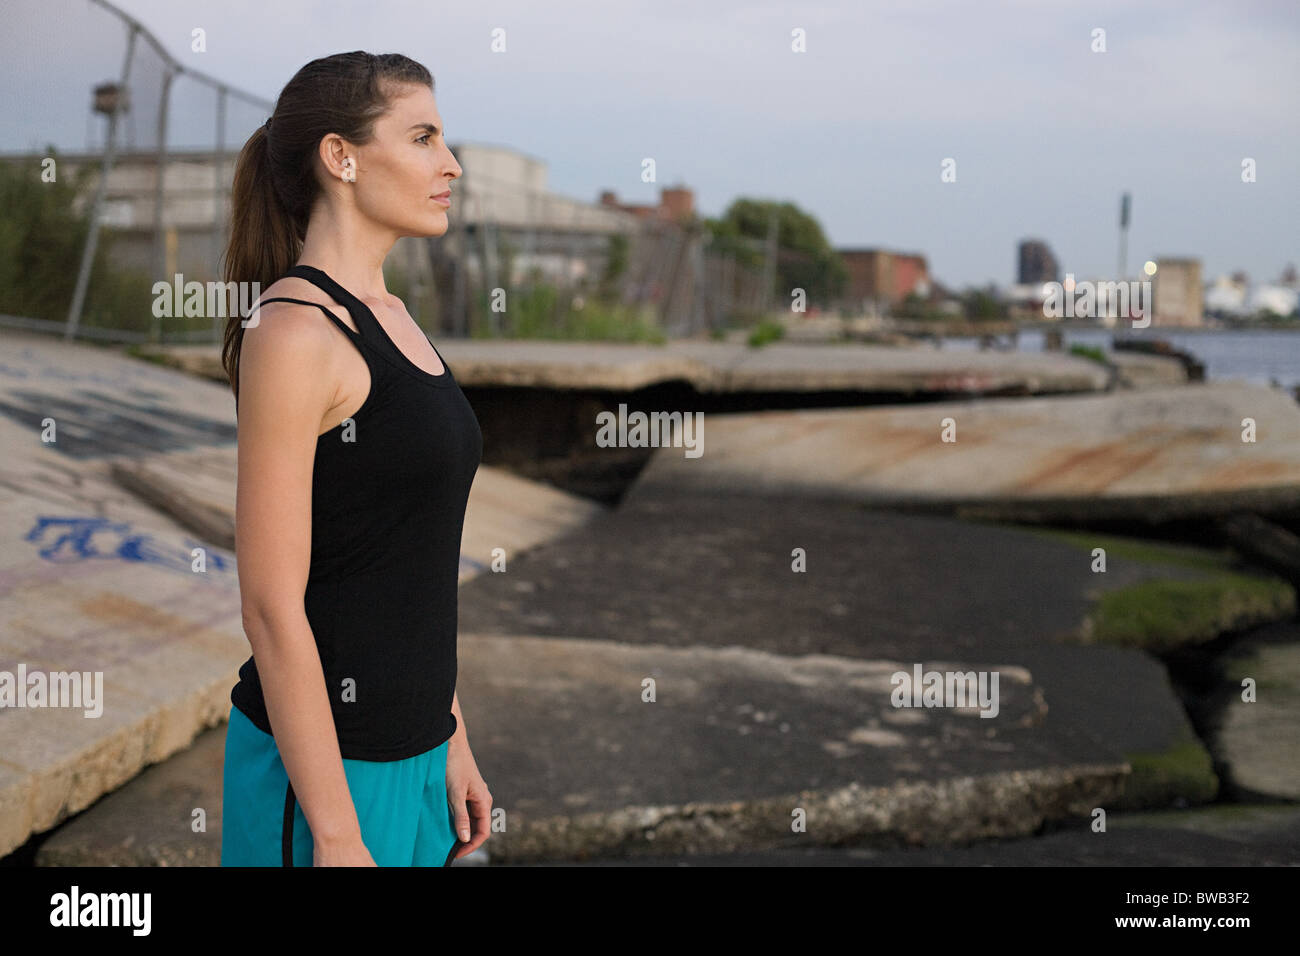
(361, 315)
(320, 305)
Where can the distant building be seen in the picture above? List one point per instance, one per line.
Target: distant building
(1177, 293)
(1025, 300)
(510, 200)
(1226, 296)
(1234, 297)
(676, 203)
(1278, 299)
(879, 280)
(1036, 263)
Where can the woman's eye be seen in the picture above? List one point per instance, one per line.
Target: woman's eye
(424, 137)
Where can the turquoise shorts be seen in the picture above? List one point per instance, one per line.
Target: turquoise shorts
(401, 805)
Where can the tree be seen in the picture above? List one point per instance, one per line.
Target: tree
(805, 259)
(41, 238)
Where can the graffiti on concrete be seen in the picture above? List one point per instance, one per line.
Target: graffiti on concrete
(64, 540)
(104, 424)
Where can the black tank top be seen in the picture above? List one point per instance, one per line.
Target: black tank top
(389, 489)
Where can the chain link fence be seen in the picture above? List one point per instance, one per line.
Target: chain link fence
(147, 201)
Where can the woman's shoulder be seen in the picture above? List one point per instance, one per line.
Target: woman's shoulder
(292, 287)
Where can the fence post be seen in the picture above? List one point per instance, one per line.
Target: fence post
(92, 234)
(159, 239)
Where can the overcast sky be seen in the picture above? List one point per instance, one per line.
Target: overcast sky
(1046, 134)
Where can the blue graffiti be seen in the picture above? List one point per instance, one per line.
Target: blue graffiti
(77, 539)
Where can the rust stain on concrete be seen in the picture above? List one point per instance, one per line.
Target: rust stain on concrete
(150, 627)
(1090, 469)
(1252, 472)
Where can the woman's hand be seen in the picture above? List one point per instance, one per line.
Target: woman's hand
(468, 797)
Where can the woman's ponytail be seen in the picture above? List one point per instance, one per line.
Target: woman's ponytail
(275, 182)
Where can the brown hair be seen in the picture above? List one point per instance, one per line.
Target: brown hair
(275, 180)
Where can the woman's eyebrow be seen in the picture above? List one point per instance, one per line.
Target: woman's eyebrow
(425, 126)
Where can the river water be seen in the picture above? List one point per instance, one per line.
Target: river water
(1251, 355)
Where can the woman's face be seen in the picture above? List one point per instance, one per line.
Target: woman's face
(406, 165)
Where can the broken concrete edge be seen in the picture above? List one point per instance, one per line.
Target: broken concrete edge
(38, 801)
(1228, 820)
(1025, 510)
(209, 523)
(709, 378)
(1183, 774)
(1144, 550)
(1279, 500)
(949, 812)
(655, 370)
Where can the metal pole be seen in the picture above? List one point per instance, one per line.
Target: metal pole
(769, 259)
(218, 199)
(160, 240)
(92, 235)
(489, 257)
(698, 315)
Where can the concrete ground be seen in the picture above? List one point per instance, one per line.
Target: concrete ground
(1165, 453)
(1263, 836)
(773, 696)
(659, 682)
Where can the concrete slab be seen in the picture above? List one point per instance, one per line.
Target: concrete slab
(115, 596)
(102, 402)
(736, 367)
(1163, 454)
(1259, 741)
(769, 689)
(504, 512)
(95, 579)
(717, 570)
(1138, 370)
(735, 742)
(1227, 835)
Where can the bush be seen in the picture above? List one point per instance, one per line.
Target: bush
(537, 312)
(767, 330)
(1089, 352)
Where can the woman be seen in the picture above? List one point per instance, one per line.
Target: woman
(357, 450)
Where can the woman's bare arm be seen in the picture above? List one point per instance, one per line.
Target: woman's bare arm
(286, 386)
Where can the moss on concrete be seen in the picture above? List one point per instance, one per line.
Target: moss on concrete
(1163, 613)
(1185, 771)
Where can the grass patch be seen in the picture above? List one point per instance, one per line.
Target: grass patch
(543, 312)
(1161, 614)
(768, 330)
(1090, 352)
(1183, 771)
